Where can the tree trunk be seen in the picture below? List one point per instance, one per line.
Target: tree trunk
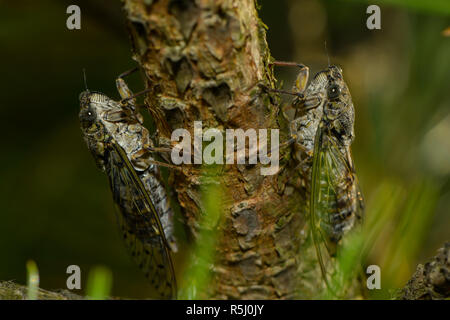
(205, 61)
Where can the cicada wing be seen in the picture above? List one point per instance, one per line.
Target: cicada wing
(350, 215)
(336, 201)
(341, 159)
(360, 200)
(140, 224)
(318, 211)
(360, 203)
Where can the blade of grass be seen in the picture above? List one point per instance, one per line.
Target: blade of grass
(32, 280)
(99, 283)
(351, 258)
(198, 273)
(411, 230)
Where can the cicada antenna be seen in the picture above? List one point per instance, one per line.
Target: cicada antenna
(326, 52)
(85, 81)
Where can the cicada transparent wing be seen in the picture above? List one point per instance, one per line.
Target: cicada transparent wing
(335, 203)
(139, 222)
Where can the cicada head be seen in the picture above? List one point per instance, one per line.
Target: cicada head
(338, 108)
(93, 108)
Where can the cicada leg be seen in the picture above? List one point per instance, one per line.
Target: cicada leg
(127, 73)
(298, 88)
(141, 160)
(159, 149)
(125, 93)
(167, 165)
(163, 153)
(122, 87)
(302, 77)
(300, 82)
(129, 99)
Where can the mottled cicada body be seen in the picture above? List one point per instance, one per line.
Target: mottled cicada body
(322, 132)
(122, 148)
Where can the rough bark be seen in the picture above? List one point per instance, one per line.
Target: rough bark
(204, 61)
(430, 281)
(12, 291)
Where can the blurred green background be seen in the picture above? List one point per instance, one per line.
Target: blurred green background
(56, 207)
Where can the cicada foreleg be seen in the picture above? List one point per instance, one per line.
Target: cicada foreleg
(159, 149)
(122, 87)
(300, 82)
(302, 77)
(126, 95)
(141, 159)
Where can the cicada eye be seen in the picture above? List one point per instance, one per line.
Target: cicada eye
(333, 92)
(87, 117)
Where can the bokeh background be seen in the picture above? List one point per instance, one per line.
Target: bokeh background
(56, 208)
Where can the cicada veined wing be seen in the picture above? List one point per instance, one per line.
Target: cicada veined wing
(141, 227)
(336, 203)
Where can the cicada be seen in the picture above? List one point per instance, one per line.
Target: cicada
(322, 131)
(122, 148)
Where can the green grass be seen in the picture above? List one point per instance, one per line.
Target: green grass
(99, 283)
(197, 275)
(398, 219)
(32, 280)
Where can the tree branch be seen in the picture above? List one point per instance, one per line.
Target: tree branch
(12, 291)
(205, 61)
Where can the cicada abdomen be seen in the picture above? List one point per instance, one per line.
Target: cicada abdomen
(122, 148)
